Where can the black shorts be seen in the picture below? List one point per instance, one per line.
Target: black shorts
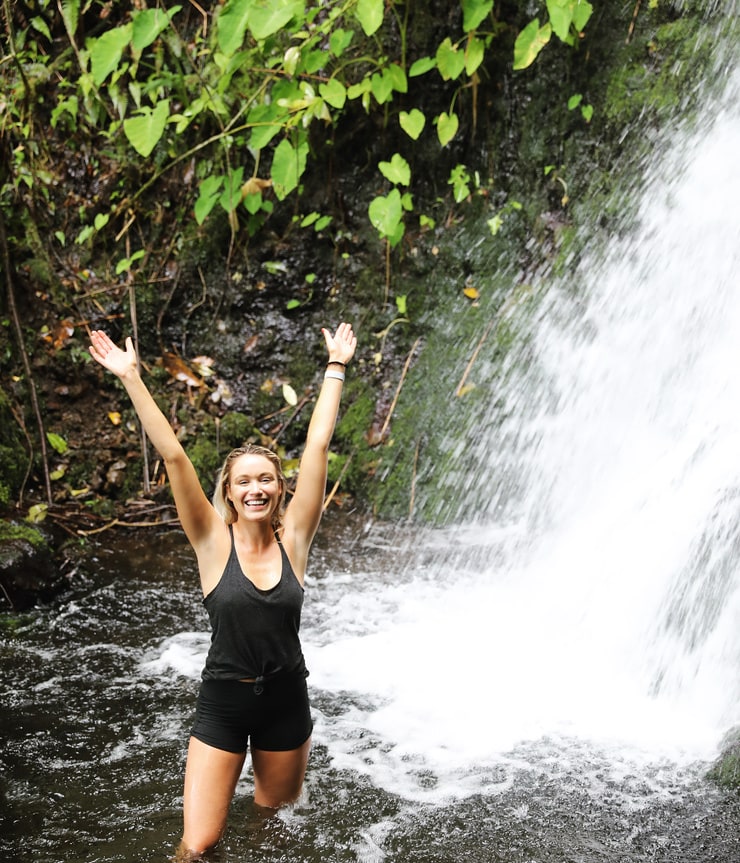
(273, 714)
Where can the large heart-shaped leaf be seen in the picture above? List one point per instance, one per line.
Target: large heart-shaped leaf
(385, 213)
(412, 122)
(267, 17)
(288, 165)
(447, 126)
(370, 15)
(148, 24)
(530, 42)
(145, 129)
(106, 51)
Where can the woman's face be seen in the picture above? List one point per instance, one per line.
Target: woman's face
(254, 487)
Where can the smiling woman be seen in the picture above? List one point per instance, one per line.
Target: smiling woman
(252, 553)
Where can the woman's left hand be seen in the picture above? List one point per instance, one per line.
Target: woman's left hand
(342, 344)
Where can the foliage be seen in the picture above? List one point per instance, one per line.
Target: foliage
(234, 94)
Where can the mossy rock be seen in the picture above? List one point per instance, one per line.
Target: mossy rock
(726, 770)
(28, 573)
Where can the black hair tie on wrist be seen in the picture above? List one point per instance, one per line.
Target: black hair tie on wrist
(337, 363)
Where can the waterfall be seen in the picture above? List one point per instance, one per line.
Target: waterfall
(591, 592)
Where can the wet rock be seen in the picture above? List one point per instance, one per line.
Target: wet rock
(28, 573)
(726, 770)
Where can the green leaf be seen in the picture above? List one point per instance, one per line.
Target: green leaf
(263, 128)
(447, 126)
(145, 129)
(397, 170)
(38, 23)
(450, 61)
(333, 92)
(561, 16)
(581, 14)
(370, 15)
(412, 122)
(253, 203)
(339, 41)
(398, 78)
(288, 165)
(474, 54)
(232, 25)
(267, 17)
(125, 263)
(530, 42)
(574, 101)
(57, 442)
(106, 52)
(381, 85)
(385, 213)
(148, 24)
(101, 220)
(37, 513)
(587, 112)
(231, 196)
(71, 15)
(474, 12)
(422, 66)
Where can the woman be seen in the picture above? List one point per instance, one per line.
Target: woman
(252, 560)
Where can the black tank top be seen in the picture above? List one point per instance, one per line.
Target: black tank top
(255, 632)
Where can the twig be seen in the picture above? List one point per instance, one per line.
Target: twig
(117, 523)
(22, 426)
(26, 363)
(631, 29)
(412, 499)
(135, 333)
(336, 485)
(496, 318)
(474, 357)
(298, 409)
(406, 365)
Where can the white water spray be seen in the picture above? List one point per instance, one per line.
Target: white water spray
(610, 611)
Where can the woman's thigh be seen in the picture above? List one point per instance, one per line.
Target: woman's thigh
(210, 781)
(278, 776)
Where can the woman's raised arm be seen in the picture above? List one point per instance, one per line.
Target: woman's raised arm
(304, 511)
(193, 507)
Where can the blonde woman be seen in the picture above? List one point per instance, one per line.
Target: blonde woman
(252, 553)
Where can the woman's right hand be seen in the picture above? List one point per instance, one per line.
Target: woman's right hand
(110, 356)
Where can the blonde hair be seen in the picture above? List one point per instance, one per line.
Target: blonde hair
(224, 507)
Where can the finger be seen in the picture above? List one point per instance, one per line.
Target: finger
(328, 338)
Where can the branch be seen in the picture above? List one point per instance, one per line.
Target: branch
(22, 347)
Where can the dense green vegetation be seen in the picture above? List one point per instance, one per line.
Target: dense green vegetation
(223, 178)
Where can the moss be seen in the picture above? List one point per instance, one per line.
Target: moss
(726, 771)
(13, 531)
